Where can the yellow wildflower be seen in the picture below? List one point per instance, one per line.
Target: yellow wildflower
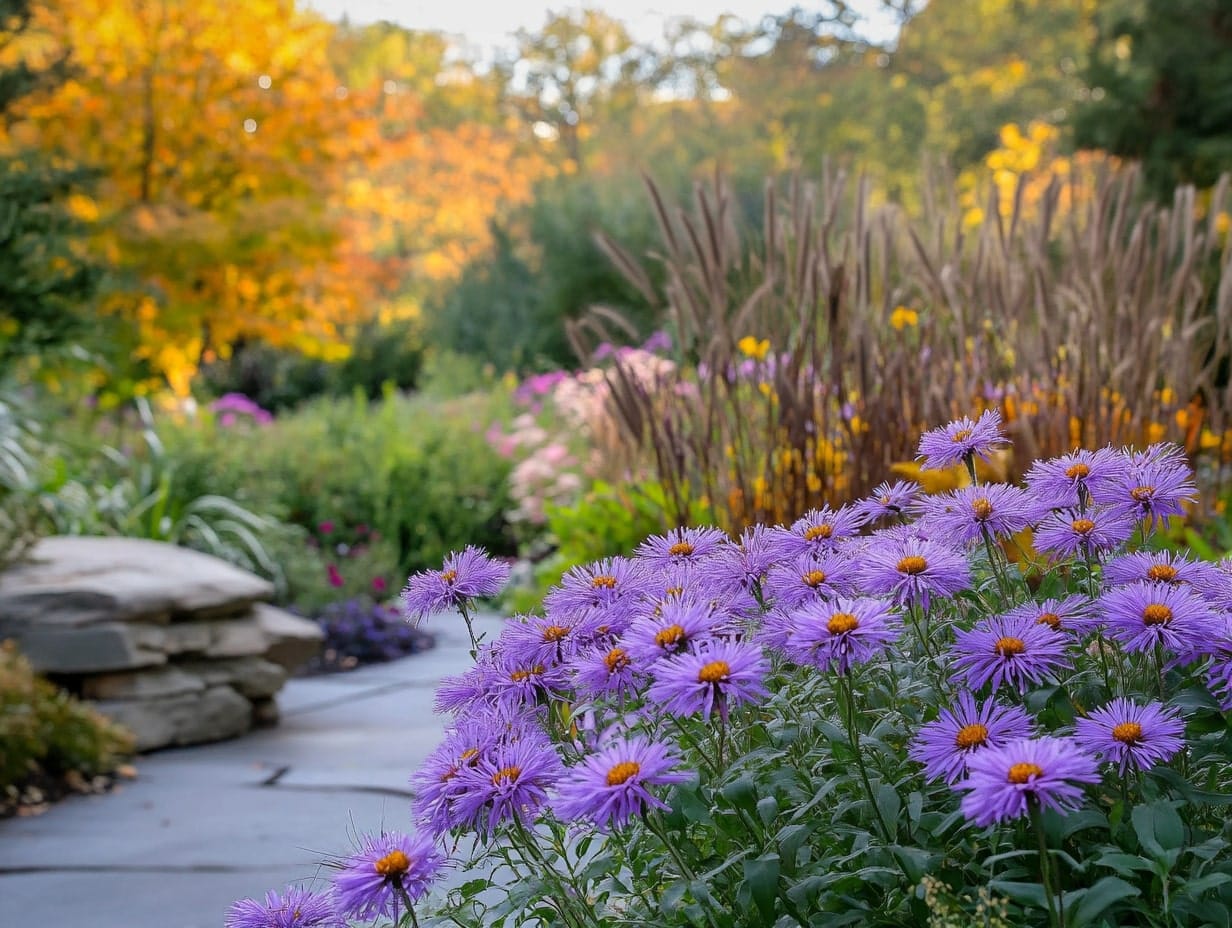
(903, 317)
(750, 347)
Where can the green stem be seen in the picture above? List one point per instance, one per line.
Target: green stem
(532, 848)
(655, 824)
(1045, 868)
(853, 734)
(406, 901)
(995, 563)
(470, 629)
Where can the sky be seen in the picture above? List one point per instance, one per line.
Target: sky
(487, 24)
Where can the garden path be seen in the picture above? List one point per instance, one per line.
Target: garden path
(203, 826)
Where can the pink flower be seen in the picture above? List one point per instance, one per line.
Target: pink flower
(335, 578)
(325, 528)
(378, 585)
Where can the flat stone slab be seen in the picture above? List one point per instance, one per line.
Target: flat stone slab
(73, 582)
(183, 718)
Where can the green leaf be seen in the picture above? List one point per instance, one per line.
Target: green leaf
(1159, 828)
(1099, 898)
(790, 839)
(1202, 884)
(741, 793)
(767, 810)
(670, 901)
(889, 805)
(762, 877)
(1031, 894)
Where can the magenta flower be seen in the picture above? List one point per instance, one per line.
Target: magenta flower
(888, 501)
(716, 677)
(944, 746)
(378, 585)
(297, 908)
(372, 881)
(1007, 782)
(613, 785)
(1130, 736)
(912, 571)
(961, 439)
(466, 575)
(838, 634)
(1072, 480)
(1098, 529)
(964, 516)
(1141, 615)
(681, 546)
(1005, 650)
(510, 781)
(335, 578)
(325, 528)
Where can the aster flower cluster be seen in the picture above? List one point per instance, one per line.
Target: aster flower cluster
(997, 653)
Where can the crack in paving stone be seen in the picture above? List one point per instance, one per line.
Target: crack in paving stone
(357, 697)
(273, 778)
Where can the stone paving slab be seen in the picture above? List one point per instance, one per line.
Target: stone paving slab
(203, 826)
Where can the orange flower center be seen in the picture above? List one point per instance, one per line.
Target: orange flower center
(1141, 494)
(982, 508)
(1077, 471)
(395, 863)
(469, 754)
(960, 435)
(714, 672)
(971, 736)
(813, 532)
(607, 581)
(506, 775)
(673, 592)
(449, 576)
(1022, 773)
(1083, 526)
(1009, 646)
(555, 633)
(842, 622)
(912, 564)
(814, 578)
(1156, 614)
(680, 549)
(1161, 573)
(519, 675)
(617, 659)
(622, 772)
(1051, 619)
(884, 500)
(1127, 732)
(672, 635)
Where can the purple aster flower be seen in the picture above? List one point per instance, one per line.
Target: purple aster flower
(605, 671)
(459, 692)
(1070, 614)
(371, 882)
(1217, 587)
(436, 782)
(612, 786)
(681, 546)
(964, 516)
(297, 908)
(1157, 482)
(510, 781)
(1007, 782)
(741, 566)
(466, 575)
(1141, 615)
(815, 533)
(717, 676)
(888, 501)
(944, 746)
(602, 585)
(673, 629)
(1008, 650)
(1131, 736)
(518, 681)
(1072, 480)
(536, 639)
(1160, 567)
(912, 571)
(841, 633)
(1099, 529)
(961, 439)
(807, 578)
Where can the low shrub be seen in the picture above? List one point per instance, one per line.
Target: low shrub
(869, 717)
(359, 631)
(47, 738)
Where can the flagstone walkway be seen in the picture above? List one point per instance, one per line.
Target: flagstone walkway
(203, 826)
